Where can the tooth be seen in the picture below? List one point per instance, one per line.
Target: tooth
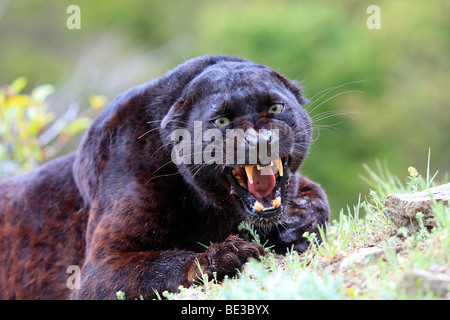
(279, 166)
(258, 167)
(258, 206)
(249, 171)
(276, 202)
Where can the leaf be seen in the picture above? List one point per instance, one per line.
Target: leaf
(19, 100)
(41, 92)
(97, 102)
(19, 84)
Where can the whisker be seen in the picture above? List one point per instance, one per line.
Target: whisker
(149, 122)
(327, 127)
(329, 114)
(165, 164)
(148, 132)
(199, 169)
(334, 96)
(328, 90)
(161, 176)
(164, 145)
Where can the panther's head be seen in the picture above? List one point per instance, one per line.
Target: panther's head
(237, 134)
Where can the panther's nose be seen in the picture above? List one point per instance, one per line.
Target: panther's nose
(253, 137)
(263, 146)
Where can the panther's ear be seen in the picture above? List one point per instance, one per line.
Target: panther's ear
(180, 77)
(177, 114)
(294, 87)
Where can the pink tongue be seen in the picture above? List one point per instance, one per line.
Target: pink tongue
(263, 182)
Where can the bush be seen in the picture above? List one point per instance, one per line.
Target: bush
(29, 133)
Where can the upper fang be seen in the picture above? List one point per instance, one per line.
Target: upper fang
(279, 164)
(249, 171)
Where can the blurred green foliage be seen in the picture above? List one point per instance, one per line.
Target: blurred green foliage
(23, 119)
(403, 108)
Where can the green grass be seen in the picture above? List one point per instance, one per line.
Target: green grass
(336, 268)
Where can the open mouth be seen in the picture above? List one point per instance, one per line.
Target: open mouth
(260, 188)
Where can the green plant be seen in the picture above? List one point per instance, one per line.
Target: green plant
(384, 182)
(249, 232)
(121, 295)
(294, 282)
(24, 118)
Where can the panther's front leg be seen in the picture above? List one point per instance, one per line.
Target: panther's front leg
(307, 210)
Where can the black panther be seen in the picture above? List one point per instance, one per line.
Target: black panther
(133, 219)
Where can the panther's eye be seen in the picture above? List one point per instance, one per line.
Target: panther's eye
(221, 122)
(276, 108)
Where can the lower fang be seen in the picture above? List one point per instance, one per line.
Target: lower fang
(276, 202)
(258, 206)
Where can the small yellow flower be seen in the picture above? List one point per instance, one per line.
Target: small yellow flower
(413, 172)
